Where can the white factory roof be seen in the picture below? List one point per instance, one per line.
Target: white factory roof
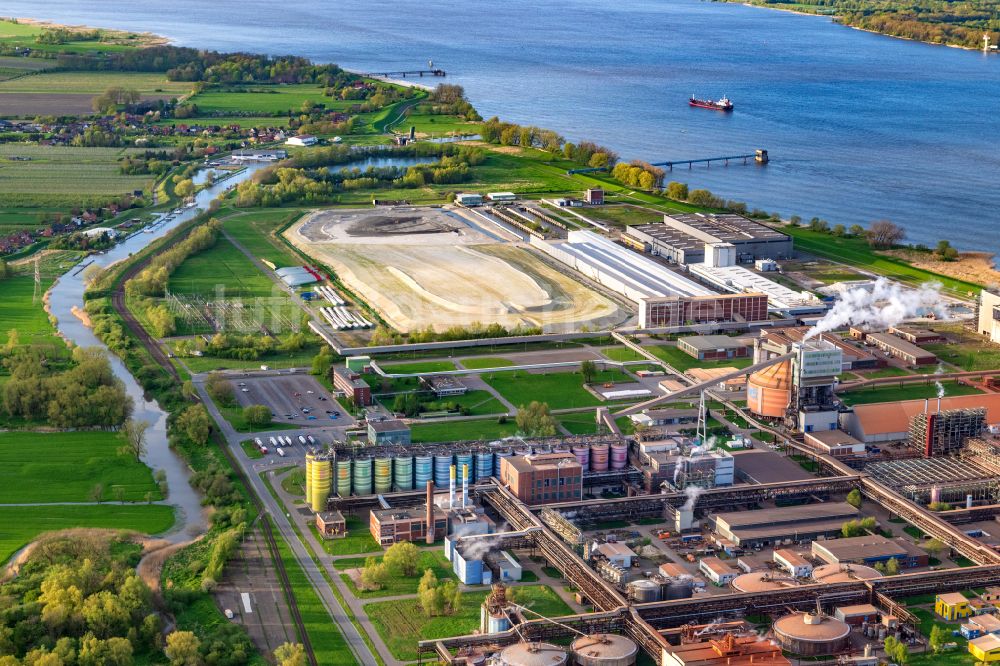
(738, 279)
(641, 274)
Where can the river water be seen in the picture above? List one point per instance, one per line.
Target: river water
(67, 293)
(859, 126)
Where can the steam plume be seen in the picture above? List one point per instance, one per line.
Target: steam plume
(887, 304)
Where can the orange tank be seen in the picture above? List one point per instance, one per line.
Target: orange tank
(769, 391)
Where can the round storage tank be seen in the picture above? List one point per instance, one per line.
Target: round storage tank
(463, 459)
(678, 588)
(498, 461)
(619, 456)
(362, 476)
(383, 475)
(599, 458)
(582, 454)
(769, 391)
(321, 482)
(810, 634)
(442, 470)
(344, 478)
(423, 471)
(402, 472)
(761, 581)
(604, 650)
(533, 654)
(484, 465)
(644, 591)
(842, 573)
(309, 477)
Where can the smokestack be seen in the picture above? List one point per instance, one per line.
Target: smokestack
(451, 489)
(465, 484)
(929, 436)
(927, 403)
(429, 537)
(939, 406)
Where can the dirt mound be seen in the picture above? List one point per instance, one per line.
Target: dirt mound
(398, 225)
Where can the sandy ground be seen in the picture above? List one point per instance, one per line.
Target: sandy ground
(975, 267)
(432, 269)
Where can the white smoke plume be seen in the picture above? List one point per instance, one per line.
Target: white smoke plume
(692, 493)
(698, 450)
(886, 304)
(937, 382)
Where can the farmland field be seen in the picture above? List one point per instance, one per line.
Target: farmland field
(16, 66)
(17, 311)
(266, 100)
(63, 176)
(254, 121)
(222, 265)
(19, 525)
(64, 93)
(253, 230)
(402, 623)
(65, 467)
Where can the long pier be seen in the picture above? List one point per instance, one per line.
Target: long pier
(404, 73)
(759, 156)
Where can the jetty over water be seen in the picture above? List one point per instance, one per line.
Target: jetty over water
(759, 156)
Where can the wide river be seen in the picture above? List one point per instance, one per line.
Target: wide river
(859, 126)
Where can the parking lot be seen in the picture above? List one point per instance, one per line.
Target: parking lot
(297, 399)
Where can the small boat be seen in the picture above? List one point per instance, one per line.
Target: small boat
(723, 104)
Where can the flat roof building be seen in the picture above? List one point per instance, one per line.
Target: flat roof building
(793, 562)
(715, 347)
(738, 280)
(617, 553)
(716, 570)
(389, 526)
(388, 432)
(682, 237)
(331, 524)
(918, 336)
(469, 199)
(501, 196)
(543, 478)
(594, 196)
(701, 375)
(870, 549)
(836, 443)
(794, 523)
(988, 315)
(899, 348)
(351, 383)
(890, 421)
(444, 385)
(730, 650)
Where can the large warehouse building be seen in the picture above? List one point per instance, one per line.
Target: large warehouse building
(890, 421)
(682, 238)
(771, 526)
(664, 297)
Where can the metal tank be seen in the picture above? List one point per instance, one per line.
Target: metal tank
(402, 472)
(362, 476)
(322, 478)
(442, 470)
(599, 458)
(533, 654)
(344, 477)
(464, 458)
(484, 465)
(811, 634)
(677, 588)
(423, 471)
(582, 454)
(644, 591)
(310, 457)
(619, 456)
(383, 475)
(498, 457)
(769, 390)
(604, 650)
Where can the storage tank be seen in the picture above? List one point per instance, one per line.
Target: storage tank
(423, 471)
(769, 390)
(811, 634)
(309, 477)
(442, 470)
(762, 581)
(842, 573)
(321, 481)
(582, 454)
(484, 465)
(464, 458)
(677, 588)
(402, 473)
(604, 650)
(619, 456)
(498, 457)
(599, 458)
(344, 477)
(383, 475)
(644, 591)
(362, 476)
(533, 654)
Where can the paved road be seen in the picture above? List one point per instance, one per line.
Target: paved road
(353, 638)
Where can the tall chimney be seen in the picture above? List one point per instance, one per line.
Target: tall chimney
(429, 537)
(465, 484)
(939, 406)
(926, 404)
(451, 488)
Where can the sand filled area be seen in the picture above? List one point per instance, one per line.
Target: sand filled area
(423, 267)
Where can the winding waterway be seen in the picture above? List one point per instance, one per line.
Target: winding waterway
(859, 126)
(67, 294)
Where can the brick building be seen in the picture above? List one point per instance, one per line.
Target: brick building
(543, 478)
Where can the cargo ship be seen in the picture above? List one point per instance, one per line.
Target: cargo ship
(723, 104)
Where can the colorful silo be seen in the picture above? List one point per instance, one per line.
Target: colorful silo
(599, 458)
(582, 453)
(362, 476)
(383, 475)
(484, 465)
(310, 457)
(619, 456)
(423, 471)
(442, 469)
(321, 481)
(464, 458)
(344, 477)
(402, 473)
(498, 457)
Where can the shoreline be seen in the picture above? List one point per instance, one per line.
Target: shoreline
(144, 38)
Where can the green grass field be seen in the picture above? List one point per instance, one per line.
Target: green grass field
(65, 467)
(95, 83)
(253, 231)
(19, 525)
(418, 367)
(579, 424)
(622, 354)
(622, 215)
(222, 121)
(482, 362)
(327, 641)
(396, 585)
(402, 623)
(19, 312)
(890, 371)
(893, 393)
(266, 99)
(462, 430)
(561, 390)
(438, 125)
(61, 176)
(358, 540)
(681, 361)
(278, 359)
(222, 266)
(479, 403)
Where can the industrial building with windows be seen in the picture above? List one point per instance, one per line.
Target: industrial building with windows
(542, 478)
(389, 526)
(891, 421)
(353, 386)
(715, 347)
(764, 527)
(682, 238)
(383, 433)
(870, 549)
(899, 348)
